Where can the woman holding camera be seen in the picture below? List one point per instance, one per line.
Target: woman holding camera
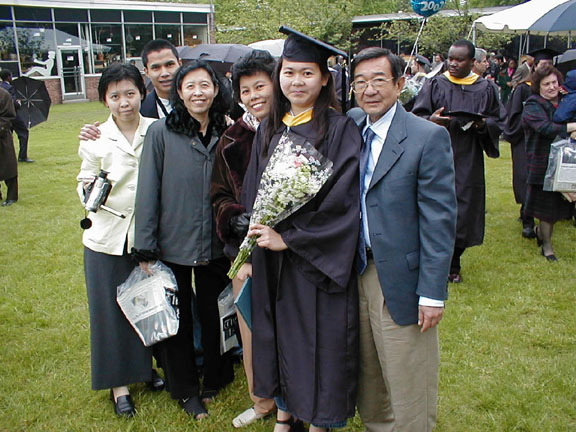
(118, 356)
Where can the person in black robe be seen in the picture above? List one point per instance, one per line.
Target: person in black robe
(514, 134)
(469, 107)
(304, 292)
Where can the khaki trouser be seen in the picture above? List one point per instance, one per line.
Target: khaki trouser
(398, 383)
(261, 405)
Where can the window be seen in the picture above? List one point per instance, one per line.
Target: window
(194, 35)
(195, 18)
(8, 57)
(167, 17)
(105, 16)
(136, 37)
(138, 16)
(107, 45)
(5, 12)
(71, 15)
(67, 34)
(169, 32)
(33, 14)
(37, 49)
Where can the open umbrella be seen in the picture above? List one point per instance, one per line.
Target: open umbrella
(535, 16)
(273, 46)
(227, 53)
(35, 100)
(567, 61)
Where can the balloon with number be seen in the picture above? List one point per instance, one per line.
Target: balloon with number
(427, 8)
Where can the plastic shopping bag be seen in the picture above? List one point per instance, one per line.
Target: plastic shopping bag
(149, 303)
(561, 173)
(228, 320)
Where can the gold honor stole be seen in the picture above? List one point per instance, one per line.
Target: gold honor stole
(290, 120)
(469, 80)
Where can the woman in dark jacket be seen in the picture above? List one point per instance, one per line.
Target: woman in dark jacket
(252, 85)
(174, 223)
(540, 131)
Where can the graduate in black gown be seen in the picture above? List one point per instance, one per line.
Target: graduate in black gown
(514, 134)
(304, 287)
(460, 91)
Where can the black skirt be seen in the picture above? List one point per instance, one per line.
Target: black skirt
(118, 355)
(546, 206)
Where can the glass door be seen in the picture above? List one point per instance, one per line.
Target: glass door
(72, 73)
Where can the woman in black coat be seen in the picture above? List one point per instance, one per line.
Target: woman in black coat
(540, 131)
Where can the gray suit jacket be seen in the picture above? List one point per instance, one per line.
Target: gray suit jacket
(411, 206)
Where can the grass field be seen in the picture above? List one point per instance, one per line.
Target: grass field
(508, 345)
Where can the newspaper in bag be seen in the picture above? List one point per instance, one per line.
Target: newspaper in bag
(561, 172)
(149, 303)
(228, 320)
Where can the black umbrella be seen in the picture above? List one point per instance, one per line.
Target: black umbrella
(35, 100)
(227, 53)
(567, 61)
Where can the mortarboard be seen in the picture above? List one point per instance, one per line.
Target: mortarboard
(299, 47)
(422, 60)
(303, 48)
(543, 54)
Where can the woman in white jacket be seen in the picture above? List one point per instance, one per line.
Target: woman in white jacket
(118, 356)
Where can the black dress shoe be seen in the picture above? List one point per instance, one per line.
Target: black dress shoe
(528, 232)
(123, 405)
(157, 383)
(194, 407)
(551, 258)
(8, 203)
(25, 160)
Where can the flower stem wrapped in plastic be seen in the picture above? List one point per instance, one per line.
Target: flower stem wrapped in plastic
(294, 174)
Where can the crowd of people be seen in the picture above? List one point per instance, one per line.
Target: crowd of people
(348, 291)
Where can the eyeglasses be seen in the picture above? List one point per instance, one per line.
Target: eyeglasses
(359, 86)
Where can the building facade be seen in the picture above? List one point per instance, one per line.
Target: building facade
(67, 43)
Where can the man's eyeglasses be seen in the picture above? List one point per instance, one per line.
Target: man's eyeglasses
(359, 86)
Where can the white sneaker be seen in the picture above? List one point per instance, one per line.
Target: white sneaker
(247, 417)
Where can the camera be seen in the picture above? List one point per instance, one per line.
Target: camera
(97, 194)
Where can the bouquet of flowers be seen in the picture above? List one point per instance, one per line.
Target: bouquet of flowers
(295, 173)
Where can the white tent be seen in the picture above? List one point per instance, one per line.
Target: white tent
(521, 18)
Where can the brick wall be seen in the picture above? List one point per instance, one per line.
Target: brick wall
(92, 86)
(54, 89)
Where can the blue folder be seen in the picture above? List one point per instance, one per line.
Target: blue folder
(244, 302)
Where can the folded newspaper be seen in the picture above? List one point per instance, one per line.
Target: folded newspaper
(149, 303)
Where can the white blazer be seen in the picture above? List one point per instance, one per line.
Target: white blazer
(113, 153)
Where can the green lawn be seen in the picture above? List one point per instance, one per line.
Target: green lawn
(508, 348)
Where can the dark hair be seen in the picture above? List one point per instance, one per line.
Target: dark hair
(396, 62)
(157, 45)
(280, 105)
(250, 64)
(118, 72)
(5, 74)
(539, 74)
(179, 120)
(466, 44)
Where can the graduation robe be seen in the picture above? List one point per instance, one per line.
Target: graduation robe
(467, 146)
(305, 299)
(514, 134)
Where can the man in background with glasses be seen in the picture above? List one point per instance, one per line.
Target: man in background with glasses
(407, 237)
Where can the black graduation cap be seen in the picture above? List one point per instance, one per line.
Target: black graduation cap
(543, 54)
(422, 60)
(299, 47)
(303, 48)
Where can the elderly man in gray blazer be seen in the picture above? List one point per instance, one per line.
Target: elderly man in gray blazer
(407, 237)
